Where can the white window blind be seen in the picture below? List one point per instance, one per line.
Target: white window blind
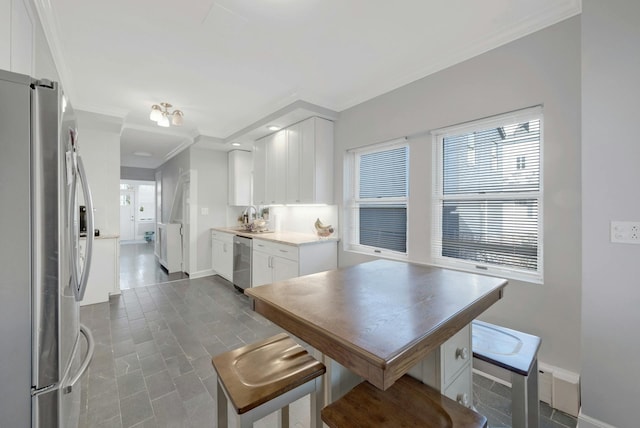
(488, 196)
(378, 220)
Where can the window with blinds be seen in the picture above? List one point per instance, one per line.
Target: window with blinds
(488, 196)
(378, 218)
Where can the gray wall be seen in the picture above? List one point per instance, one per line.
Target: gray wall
(211, 167)
(543, 68)
(610, 176)
(171, 171)
(131, 173)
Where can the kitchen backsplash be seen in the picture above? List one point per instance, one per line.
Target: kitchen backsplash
(294, 218)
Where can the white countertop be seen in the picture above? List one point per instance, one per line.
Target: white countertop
(282, 237)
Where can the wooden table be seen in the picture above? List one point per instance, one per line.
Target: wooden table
(377, 319)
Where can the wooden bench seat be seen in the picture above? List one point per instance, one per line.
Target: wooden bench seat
(407, 403)
(512, 355)
(262, 377)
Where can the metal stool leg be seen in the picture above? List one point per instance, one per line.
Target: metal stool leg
(221, 401)
(284, 417)
(525, 407)
(316, 399)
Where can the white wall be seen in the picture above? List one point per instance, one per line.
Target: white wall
(610, 179)
(99, 145)
(543, 68)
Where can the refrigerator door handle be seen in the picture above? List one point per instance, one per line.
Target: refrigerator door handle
(80, 284)
(68, 387)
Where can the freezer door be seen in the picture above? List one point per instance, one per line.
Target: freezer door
(56, 316)
(15, 281)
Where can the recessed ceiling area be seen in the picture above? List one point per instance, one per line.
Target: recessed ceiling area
(230, 64)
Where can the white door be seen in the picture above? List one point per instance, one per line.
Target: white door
(127, 215)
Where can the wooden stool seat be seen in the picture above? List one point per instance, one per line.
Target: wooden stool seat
(407, 403)
(262, 377)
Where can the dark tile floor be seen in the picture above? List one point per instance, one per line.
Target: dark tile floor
(152, 361)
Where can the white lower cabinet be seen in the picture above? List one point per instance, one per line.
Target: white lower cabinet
(448, 368)
(272, 261)
(222, 254)
(104, 275)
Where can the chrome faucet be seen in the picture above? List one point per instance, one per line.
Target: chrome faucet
(247, 212)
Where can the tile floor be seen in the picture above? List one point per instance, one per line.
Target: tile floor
(154, 343)
(139, 267)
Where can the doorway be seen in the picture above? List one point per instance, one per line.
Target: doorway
(127, 213)
(138, 263)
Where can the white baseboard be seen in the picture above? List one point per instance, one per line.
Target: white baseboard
(585, 421)
(202, 273)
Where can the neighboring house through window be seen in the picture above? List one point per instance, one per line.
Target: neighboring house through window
(487, 196)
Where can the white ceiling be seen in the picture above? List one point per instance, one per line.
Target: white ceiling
(233, 66)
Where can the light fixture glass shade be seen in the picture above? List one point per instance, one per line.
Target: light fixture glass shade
(164, 121)
(176, 118)
(156, 113)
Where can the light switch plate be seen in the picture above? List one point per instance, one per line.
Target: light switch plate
(625, 232)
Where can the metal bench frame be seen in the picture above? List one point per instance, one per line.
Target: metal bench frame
(521, 368)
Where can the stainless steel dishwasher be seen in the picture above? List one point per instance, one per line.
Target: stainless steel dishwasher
(242, 248)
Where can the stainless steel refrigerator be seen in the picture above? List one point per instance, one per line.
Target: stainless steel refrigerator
(43, 351)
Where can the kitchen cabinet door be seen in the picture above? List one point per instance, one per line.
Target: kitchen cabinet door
(259, 196)
(239, 175)
(276, 167)
(294, 152)
(283, 268)
(261, 269)
(316, 161)
(222, 257)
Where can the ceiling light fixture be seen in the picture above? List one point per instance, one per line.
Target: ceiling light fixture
(160, 114)
(273, 128)
(143, 154)
(235, 144)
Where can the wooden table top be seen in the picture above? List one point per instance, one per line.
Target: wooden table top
(379, 318)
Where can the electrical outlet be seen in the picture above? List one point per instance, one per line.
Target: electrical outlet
(625, 232)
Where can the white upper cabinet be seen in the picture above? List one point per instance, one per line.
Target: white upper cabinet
(276, 167)
(240, 167)
(297, 165)
(259, 196)
(16, 36)
(316, 161)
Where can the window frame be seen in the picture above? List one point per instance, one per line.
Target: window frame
(438, 198)
(353, 201)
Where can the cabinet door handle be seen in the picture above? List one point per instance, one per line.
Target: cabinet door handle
(270, 264)
(462, 353)
(463, 399)
(284, 251)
